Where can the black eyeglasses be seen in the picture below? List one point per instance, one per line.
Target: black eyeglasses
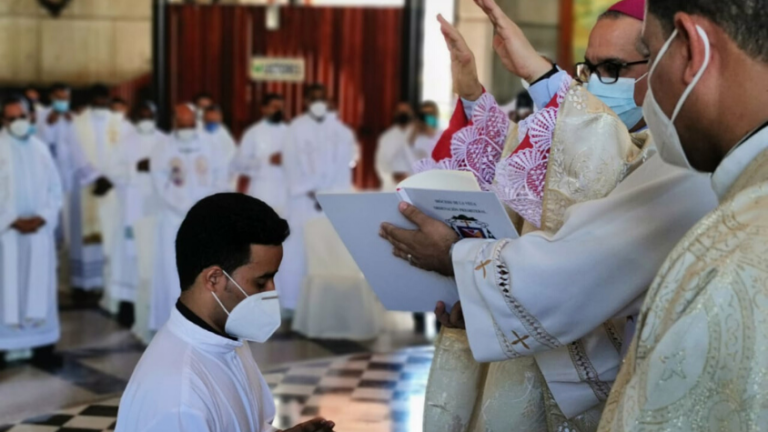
(607, 72)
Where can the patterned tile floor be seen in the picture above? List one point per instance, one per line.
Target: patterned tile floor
(362, 392)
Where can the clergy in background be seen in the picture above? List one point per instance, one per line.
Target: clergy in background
(56, 128)
(317, 158)
(698, 361)
(391, 146)
(30, 201)
(99, 131)
(217, 132)
(260, 156)
(136, 204)
(184, 170)
(198, 373)
(426, 132)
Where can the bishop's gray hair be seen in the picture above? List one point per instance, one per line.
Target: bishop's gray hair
(745, 21)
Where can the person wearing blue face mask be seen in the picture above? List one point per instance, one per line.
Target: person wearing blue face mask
(218, 133)
(426, 132)
(30, 201)
(602, 210)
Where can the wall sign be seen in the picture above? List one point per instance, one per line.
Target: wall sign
(277, 69)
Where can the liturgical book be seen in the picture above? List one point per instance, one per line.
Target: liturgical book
(450, 196)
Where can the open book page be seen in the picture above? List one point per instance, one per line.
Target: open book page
(357, 218)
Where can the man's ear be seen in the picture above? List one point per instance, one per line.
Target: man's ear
(214, 279)
(695, 51)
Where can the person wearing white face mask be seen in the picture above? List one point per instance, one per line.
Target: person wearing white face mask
(698, 363)
(30, 201)
(56, 128)
(554, 309)
(198, 373)
(98, 132)
(184, 170)
(317, 156)
(137, 205)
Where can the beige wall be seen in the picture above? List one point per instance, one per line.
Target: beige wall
(537, 18)
(92, 41)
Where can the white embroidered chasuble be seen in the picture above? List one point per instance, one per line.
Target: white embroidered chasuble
(267, 181)
(562, 293)
(317, 158)
(29, 187)
(182, 174)
(99, 137)
(700, 362)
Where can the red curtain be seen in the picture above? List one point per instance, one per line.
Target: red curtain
(355, 52)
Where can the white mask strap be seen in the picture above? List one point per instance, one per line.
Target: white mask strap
(236, 284)
(698, 76)
(642, 77)
(219, 302)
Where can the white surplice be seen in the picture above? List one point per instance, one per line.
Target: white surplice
(191, 379)
(29, 187)
(389, 149)
(136, 202)
(223, 141)
(182, 174)
(99, 136)
(572, 319)
(267, 181)
(317, 158)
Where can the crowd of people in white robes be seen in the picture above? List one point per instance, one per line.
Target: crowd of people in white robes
(106, 188)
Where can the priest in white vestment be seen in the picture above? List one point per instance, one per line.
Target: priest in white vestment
(698, 362)
(213, 125)
(317, 157)
(30, 202)
(137, 204)
(391, 145)
(586, 190)
(56, 129)
(260, 156)
(184, 170)
(198, 373)
(99, 131)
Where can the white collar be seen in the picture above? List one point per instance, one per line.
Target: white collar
(737, 160)
(199, 337)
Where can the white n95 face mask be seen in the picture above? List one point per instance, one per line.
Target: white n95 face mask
(187, 134)
(256, 318)
(20, 129)
(318, 109)
(146, 126)
(662, 127)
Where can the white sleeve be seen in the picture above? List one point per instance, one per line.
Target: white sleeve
(182, 420)
(297, 171)
(247, 160)
(540, 292)
(55, 191)
(84, 172)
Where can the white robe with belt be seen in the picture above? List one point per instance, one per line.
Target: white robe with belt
(182, 174)
(29, 186)
(317, 158)
(191, 379)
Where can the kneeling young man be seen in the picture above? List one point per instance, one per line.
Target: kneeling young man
(198, 373)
